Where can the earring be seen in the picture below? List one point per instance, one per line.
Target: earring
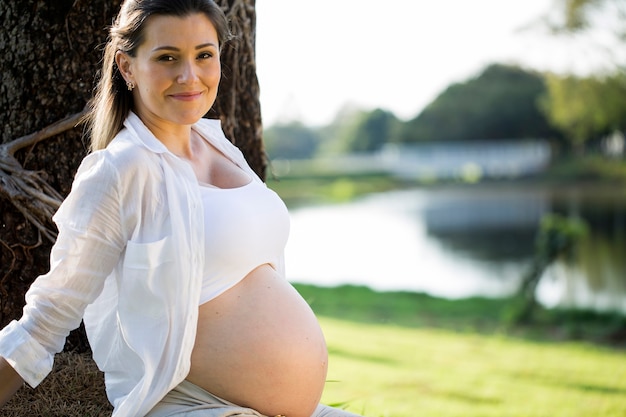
(130, 85)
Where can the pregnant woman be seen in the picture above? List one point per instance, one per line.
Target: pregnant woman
(170, 248)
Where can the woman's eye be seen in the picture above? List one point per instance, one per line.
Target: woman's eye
(205, 55)
(165, 58)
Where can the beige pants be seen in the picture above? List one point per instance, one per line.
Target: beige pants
(189, 400)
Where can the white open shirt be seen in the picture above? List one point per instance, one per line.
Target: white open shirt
(128, 258)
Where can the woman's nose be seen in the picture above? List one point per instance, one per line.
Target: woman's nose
(188, 73)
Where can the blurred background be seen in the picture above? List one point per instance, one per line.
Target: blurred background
(420, 145)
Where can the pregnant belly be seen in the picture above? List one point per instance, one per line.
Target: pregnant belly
(259, 345)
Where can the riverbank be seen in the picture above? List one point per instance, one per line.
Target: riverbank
(591, 168)
(312, 183)
(488, 316)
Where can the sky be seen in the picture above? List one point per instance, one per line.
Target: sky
(315, 58)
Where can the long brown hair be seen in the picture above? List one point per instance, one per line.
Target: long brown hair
(112, 101)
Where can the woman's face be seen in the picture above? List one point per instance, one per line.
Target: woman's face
(176, 70)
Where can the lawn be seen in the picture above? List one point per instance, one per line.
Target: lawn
(403, 354)
(387, 370)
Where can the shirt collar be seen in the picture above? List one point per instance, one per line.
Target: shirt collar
(209, 128)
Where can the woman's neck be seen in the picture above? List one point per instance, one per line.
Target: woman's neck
(175, 137)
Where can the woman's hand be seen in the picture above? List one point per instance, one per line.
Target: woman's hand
(10, 381)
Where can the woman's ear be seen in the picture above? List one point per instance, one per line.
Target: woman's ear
(123, 62)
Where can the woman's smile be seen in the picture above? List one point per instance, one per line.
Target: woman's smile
(187, 96)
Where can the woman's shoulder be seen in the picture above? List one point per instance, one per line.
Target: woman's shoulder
(122, 158)
(125, 146)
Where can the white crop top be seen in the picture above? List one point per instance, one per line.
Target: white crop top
(245, 227)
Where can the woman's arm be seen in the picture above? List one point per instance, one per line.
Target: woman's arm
(10, 381)
(86, 250)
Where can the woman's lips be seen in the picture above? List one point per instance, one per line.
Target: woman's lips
(187, 96)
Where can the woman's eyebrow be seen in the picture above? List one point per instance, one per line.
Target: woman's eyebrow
(173, 48)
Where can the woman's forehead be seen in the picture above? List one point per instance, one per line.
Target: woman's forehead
(178, 32)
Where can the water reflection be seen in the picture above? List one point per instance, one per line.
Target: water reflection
(458, 242)
(597, 280)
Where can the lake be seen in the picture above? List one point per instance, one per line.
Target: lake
(460, 241)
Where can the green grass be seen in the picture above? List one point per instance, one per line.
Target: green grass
(404, 354)
(481, 315)
(387, 370)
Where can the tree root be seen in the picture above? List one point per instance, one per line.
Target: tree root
(28, 190)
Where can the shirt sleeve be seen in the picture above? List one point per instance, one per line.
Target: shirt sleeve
(87, 249)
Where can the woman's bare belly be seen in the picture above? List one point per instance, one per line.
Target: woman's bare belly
(259, 345)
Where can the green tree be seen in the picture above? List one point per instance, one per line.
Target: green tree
(585, 108)
(372, 130)
(359, 131)
(581, 15)
(335, 137)
(500, 103)
(290, 141)
(558, 238)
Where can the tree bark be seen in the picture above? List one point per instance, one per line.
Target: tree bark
(52, 51)
(238, 103)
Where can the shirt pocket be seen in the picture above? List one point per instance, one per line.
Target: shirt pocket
(150, 280)
(141, 255)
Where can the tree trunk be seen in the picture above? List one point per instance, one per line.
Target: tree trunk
(51, 55)
(238, 103)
